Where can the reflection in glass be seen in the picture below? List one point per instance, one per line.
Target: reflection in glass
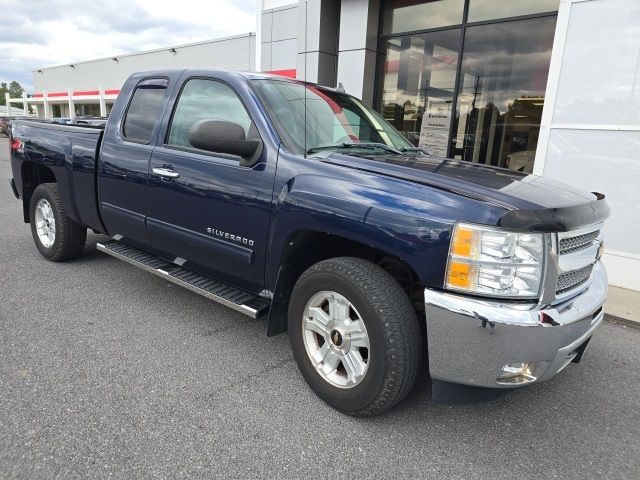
(332, 119)
(410, 15)
(501, 93)
(490, 9)
(419, 83)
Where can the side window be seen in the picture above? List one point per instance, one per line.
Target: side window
(206, 99)
(144, 110)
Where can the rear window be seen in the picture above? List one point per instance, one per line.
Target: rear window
(144, 110)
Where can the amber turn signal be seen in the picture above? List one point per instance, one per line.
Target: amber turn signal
(459, 275)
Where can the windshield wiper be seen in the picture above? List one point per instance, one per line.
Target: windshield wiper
(415, 149)
(365, 145)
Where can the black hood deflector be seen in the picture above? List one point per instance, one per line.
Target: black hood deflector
(557, 219)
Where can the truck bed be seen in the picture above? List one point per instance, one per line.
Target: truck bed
(69, 152)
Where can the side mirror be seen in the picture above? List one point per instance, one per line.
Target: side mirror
(223, 137)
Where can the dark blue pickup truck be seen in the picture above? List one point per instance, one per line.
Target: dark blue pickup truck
(296, 202)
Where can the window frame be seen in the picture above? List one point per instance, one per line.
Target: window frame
(198, 151)
(160, 113)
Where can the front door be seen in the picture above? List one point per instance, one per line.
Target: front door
(207, 208)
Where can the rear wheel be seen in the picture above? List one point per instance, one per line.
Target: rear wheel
(355, 335)
(57, 237)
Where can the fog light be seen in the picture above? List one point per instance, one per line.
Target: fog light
(516, 373)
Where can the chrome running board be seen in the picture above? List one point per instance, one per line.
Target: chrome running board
(239, 300)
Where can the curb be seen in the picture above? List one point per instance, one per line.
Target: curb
(621, 320)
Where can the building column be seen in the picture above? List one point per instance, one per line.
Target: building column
(103, 104)
(46, 105)
(72, 105)
(8, 102)
(357, 49)
(318, 22)
(25, 104)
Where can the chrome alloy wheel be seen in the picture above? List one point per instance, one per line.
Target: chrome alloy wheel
(336, 339)
(45, 223)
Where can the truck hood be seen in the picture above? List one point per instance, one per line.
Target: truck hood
(533, 203)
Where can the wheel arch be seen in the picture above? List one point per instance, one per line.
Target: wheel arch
(304, 248)
(33, 174)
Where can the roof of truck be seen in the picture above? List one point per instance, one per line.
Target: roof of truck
(243, 74)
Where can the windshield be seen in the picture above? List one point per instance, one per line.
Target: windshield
(333, 120)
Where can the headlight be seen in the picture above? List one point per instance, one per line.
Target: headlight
(493, 262)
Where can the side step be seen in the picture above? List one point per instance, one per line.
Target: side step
(241, 301)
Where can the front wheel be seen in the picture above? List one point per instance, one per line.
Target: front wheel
(57, 237)
(354, 335)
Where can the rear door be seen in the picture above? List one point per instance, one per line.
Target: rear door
(207, 208)
(124, 159)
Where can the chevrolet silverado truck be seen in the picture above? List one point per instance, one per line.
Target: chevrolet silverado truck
(299, 204)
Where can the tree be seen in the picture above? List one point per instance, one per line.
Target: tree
(3, 90)
(14, 89)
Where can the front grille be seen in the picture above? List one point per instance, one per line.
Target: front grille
(577, 243)
(573, 279)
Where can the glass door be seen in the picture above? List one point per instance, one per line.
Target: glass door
(501, 93)
(466, 79)
(419, 81)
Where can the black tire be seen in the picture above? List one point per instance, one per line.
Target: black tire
(69, 238)
(395, 352)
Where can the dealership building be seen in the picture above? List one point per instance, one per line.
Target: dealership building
(550, 87)
(91, 87)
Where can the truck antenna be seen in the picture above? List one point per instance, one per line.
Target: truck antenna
(305, 79)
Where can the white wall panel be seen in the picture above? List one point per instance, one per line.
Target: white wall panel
(600, 80)
(357, 27)
(232, 53)
(279, 30)
(277, 3)
(285, 24)
(590, 131)
(607, 162)
(283, 54)
(266, 26)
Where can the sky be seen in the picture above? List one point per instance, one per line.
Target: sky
(44, 33)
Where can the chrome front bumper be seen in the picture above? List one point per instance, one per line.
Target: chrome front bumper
(470, 340)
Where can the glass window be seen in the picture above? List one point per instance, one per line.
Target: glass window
(332, 118)
(205, 99)
(410, 15)
(501, 92)
(489, 9)
(88, 110)
(144, 110)
(418, 87)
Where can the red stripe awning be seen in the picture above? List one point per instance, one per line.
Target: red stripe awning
(291, 73)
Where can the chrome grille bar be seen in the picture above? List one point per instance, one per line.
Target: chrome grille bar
(573, 279)
(577, 243)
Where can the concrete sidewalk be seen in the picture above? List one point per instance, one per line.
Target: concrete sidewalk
(623, 306)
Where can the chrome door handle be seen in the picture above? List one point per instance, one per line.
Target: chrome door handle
(165, 172)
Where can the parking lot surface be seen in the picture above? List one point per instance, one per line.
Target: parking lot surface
(108, 371)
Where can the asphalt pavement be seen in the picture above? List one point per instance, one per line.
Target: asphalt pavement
(107, 371)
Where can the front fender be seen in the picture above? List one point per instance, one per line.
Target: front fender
(406, 220)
